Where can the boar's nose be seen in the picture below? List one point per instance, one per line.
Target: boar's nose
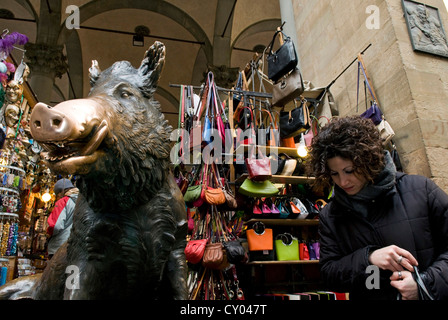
(48, 124)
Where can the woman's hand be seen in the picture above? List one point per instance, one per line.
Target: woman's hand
(393, 258)
(405, 284)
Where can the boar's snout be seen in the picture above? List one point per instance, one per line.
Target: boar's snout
(48, 124)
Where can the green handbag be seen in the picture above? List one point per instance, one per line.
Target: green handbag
(193, 193)
(287, 247)
(258, 189)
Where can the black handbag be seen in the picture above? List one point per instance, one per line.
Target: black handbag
(282, 61)
(294, 122)
(235, 252)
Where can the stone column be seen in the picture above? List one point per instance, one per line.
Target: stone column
(287, 14)
(45, 57)
(46, 62)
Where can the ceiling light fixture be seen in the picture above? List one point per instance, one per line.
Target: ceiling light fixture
(138, 40)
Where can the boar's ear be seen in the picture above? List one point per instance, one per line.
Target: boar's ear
(94, 72)
(151, 67)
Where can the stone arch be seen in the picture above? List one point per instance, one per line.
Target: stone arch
(94, 8)
(29, 7)
(264, 25)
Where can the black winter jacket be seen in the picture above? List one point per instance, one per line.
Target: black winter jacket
(412, 215)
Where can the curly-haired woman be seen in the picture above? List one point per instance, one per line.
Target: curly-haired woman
(377, 216)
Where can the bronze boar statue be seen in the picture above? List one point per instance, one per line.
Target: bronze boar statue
(129, 227)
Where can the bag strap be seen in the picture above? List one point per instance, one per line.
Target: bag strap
(283, 38)
(421, 284)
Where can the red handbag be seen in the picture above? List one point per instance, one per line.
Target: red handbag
(259, 169)
(194, 250)
(303, 249)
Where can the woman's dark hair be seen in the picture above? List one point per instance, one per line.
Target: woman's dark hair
(351, 138)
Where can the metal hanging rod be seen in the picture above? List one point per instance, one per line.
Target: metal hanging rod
(243, 92)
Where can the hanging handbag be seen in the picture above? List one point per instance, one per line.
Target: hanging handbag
(282, 61)
(213, 195)
(235, 252)
(194, 250)
(386, 131)
(258, 169)
(194, 191)
(374, 113)
(294, 122)
(286, 247)
(287, 88)
(245, 132)
(258, 189)
(214, 256)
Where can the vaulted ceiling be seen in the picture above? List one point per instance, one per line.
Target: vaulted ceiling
(198, 35)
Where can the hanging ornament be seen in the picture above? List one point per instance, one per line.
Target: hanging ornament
(8, 40)
(3, 67)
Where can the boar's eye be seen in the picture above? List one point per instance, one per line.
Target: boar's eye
(126, 94)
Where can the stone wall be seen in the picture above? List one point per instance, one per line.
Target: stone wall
(410, 86)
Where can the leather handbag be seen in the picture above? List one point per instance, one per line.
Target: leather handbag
(193, 193)
(235, 252)
(303, 251)
(295, 121)
(194, 250)
(284, 212)
(214, 256)
(316, 247)
(373, 113)
(259, 169)
(289, 167)
(303, 212)
(282, 61)
(287, 88)
(258, 189)
(286, 247)
(215, 196)
(386, 131)
(311, 252)
(230, 199)
(260, 238)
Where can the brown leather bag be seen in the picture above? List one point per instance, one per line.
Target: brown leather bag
(215, 256)
(214, 196)
(287, 88)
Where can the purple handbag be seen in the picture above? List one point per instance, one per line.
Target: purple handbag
(311, 251)
(316, 248)
(373, 113)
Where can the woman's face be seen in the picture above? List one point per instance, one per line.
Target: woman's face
(343, 175)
